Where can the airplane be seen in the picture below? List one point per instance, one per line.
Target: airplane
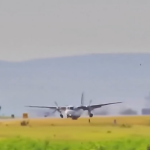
(74, 112)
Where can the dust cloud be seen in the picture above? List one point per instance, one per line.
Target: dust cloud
(147, 98)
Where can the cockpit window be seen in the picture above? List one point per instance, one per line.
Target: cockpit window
(71, 108)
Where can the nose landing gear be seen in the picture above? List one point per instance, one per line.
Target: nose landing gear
(68, 115)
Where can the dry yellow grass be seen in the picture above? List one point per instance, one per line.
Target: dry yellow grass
(67, 129)
(130, 120)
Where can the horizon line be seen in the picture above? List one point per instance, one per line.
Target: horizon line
(75, 55)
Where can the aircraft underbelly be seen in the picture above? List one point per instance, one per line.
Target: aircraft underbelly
(75, 113)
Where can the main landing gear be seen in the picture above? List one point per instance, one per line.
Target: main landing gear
(91, 115)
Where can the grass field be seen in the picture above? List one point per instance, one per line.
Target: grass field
(129, 133)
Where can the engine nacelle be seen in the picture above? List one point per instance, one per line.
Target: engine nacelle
(61, 115)
(91, 115)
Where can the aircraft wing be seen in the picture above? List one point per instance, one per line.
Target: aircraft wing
(53, 107)
(100, 105)
(96, 106)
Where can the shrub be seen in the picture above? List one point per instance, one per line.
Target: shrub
(24, 123)
(12, 116)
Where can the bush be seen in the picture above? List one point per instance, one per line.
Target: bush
(125, 126)
(12, 116)
(24, 123)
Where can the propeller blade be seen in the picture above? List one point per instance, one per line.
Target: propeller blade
(90, 102)
(82, 99)
(58, 108)
(54, 111)
(56, 103)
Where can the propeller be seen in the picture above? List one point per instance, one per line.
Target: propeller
(57, 109)
(89, 108)
(90, 102)
(82, 99)
(47, 113)
(86, 107)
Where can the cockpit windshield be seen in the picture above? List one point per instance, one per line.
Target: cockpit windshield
(71, 108)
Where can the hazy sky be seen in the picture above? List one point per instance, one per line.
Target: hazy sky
(103, 78)
(45, 28)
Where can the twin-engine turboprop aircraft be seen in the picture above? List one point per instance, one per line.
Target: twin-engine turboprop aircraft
(75, 112)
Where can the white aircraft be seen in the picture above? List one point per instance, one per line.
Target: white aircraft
(75, 112)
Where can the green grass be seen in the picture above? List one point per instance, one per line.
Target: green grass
(101, 134)
(130, 143)
(75, 138)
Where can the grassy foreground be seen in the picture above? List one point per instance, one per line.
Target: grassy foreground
(123, 144)
(130, 133)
